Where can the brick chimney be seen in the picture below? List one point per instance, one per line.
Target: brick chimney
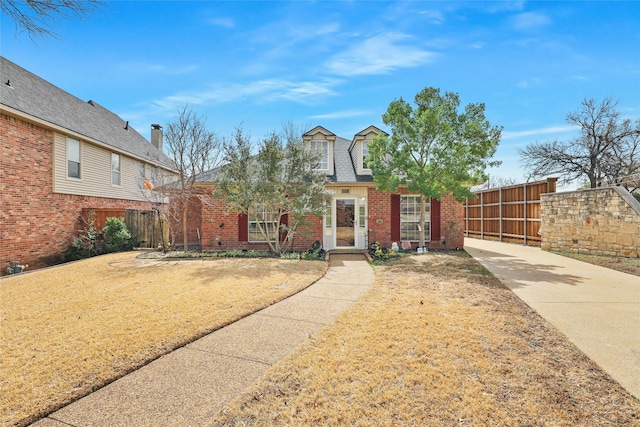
(156, 136)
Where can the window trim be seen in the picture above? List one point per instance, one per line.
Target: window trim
(325, 152)
(403, 237)
(256, 230)
(118, 171)
(79, 162)
(363, 145)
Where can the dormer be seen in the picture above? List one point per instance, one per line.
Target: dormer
(324, 141)
(359, 148)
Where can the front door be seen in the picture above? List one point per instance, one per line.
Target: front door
(345, 222)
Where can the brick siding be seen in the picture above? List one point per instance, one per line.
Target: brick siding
(36, 225)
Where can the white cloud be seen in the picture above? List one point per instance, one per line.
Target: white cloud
(538, 132)
(529, 21)
(379, 54)
(223, 22)
(434, 16)
(141, 67)
(346, 114)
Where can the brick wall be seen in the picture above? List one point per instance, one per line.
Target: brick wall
(36, 225)
(599, 221)
(219, 230)
(451, 220)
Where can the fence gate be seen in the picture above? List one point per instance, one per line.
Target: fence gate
(149, 227)
(509, 213)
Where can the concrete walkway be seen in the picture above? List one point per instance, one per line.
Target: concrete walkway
(598, 309)
(190, 385)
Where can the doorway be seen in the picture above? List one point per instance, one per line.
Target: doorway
(345, 222)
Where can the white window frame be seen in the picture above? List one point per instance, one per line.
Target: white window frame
(116, 170)
(267, 219)
(365, 154)
(78, 161)
(410, 214)
(323, 146)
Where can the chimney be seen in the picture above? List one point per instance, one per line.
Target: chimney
(156, 136)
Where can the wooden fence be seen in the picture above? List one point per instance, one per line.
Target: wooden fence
(510, 214)
(150, 228)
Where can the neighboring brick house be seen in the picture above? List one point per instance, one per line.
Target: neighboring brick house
(60, 155)
(357, 215)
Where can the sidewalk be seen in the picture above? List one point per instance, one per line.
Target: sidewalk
(190, 385)
(597, 308)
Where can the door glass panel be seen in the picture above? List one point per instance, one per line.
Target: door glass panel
(345, 211)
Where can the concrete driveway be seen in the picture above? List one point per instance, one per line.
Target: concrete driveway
(597, 308)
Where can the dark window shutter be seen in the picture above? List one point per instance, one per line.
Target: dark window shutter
(435, 220)
(284, 220)
(395, 217)
(243, 228)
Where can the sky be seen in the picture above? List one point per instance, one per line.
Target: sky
(339, 64)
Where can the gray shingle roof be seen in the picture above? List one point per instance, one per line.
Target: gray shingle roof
(31, 95)
(344, 170)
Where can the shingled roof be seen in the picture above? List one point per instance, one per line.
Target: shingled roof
(33, 96)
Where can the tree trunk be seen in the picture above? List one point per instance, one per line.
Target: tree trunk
(423, 214)
(185, 237)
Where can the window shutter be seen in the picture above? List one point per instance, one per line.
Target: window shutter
(395, 217)
(243, 228)
(284, 221)
(435, 220)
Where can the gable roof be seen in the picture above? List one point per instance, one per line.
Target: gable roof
(33, 96)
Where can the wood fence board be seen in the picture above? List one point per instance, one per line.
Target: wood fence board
(508, 213)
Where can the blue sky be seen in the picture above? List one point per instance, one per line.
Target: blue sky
(340, 63)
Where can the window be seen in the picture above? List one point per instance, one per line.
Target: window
(264, 219)
(73, 158)
(365, 154)
(410, 218)
(328, 230)
(115, 169)
(323, 148)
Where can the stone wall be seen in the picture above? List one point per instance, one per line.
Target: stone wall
(599, 221)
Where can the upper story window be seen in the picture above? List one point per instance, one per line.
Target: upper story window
(365, 154)
(73, 158)
(323, 148)
(115, 169)
(410, 218)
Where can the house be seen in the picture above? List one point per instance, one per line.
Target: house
(61, 155)
(357, 214)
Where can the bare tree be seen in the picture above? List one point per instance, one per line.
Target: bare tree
(606, 148)
(35, 16)
(195, 150)
(495, 182)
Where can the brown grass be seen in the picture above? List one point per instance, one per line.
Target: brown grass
(625, 265)
(68, 330)
(438, 341)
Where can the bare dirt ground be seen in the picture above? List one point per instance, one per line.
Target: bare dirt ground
(438, 341)
(68, 330)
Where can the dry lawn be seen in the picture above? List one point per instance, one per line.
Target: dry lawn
(438, 341)
(625, 265)
(68, 330)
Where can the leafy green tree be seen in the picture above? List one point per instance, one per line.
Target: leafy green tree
(279, 180)
(434, 149)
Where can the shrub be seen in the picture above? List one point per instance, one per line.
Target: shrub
(378, 253)
(316, 253)
(116, 236)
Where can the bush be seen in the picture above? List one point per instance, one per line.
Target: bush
(116, 236)
(379, 253)
(316, 253)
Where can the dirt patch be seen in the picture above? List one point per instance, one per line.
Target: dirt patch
(438, 341)
(69, 330)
